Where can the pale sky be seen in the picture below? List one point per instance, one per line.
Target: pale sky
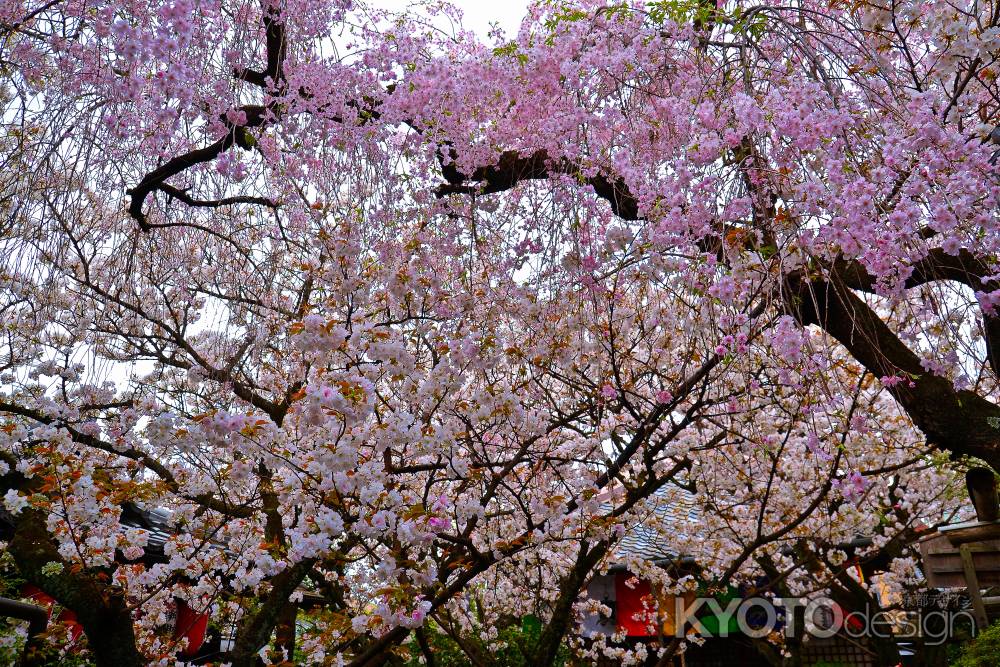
(478, 13)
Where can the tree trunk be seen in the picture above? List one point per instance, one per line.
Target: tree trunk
(255, 629)
(562, 614)
(284, 633)
(101, 609)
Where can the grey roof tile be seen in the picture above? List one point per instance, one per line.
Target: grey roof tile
(671, 510)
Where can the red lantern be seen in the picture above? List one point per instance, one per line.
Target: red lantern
(67, 616)
(635, 606)
(191, 626)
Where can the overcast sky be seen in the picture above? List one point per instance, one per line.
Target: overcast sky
(478, 13)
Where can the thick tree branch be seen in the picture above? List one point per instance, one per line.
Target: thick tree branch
(256, 628)
(166, 476)
(183, 196)
(100, 608)
(512, 168)
(959, 421)
(965, 268)
(156, 179)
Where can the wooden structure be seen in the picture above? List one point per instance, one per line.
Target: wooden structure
(967, 555)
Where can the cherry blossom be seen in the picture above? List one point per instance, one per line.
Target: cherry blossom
(416, 327)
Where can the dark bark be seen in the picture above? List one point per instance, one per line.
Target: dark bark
(272, 76)
(957, 421)
(38, 620)
(176, 165)
(100, 608)
(275, 610)
(284, 632)
(852, 595)
(562, 613)
(256, 628)
(425, 648)
(512, 168)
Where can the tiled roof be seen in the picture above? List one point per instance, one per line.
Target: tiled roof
(156, 522)
(671, 512)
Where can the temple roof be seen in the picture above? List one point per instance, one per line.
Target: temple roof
(672, 513)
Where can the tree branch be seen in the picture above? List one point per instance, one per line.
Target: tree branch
(958, 421)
